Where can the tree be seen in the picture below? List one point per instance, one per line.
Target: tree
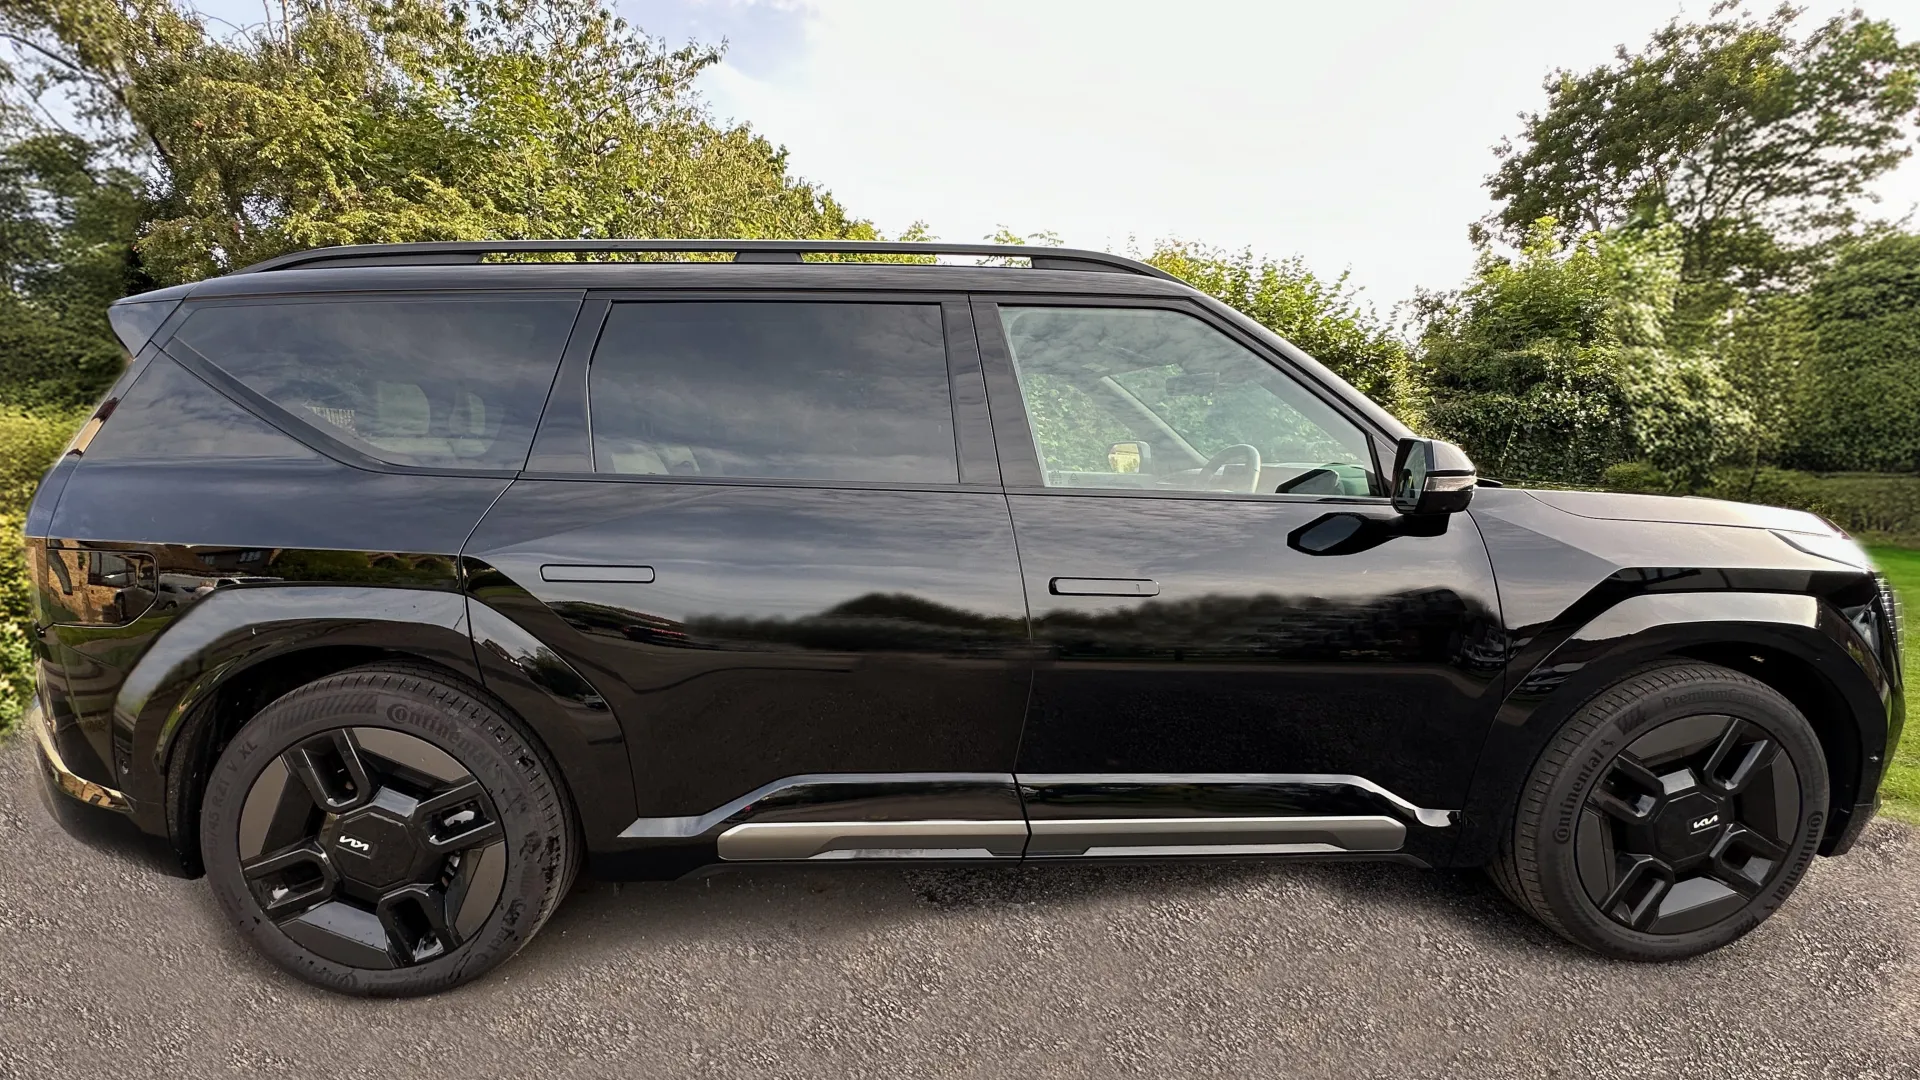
(366, 120)
(1323, 316)
(66, 233)
(1757, 144)
(1860, 404)
(1554, 365)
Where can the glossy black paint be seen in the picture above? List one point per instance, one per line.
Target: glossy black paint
(1254, 657)
(1255, 647)
(811, 652)
(1751, 600)
(788, 629)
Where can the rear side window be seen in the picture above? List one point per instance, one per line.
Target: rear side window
(810, 391)
(455, 383)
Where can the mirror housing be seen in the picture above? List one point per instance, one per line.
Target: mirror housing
(1431, 477)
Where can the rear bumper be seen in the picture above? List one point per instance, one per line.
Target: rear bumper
(96, 815)
(63, 779)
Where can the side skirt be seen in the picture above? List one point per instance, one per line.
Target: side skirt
(960, 817)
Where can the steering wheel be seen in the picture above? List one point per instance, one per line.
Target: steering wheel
(1216, 471)
(1310, 476)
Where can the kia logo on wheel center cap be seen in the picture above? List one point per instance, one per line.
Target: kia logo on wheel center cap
(1710, 819)
(361, 847)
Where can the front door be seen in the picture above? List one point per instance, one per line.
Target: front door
(796, 589)
(1243, 648)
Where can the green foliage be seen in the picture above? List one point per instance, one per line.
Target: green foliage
(366, 121)
(1883, 506)
(1860, 405)
(28, 445)
(1324, 317)
(1686, 417)
(1765, 345)
(1553, 365)
(1901, 789)
(66, 234)
(1755, 143)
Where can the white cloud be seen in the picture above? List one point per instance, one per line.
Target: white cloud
(1355, 134)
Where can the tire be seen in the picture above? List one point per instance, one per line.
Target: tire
(452, 799)
(1589, 814)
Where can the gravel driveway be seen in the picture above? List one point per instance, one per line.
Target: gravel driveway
(1303, 970)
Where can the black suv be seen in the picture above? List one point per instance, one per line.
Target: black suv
(390, 586)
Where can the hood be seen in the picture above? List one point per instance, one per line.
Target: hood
(1682, 510)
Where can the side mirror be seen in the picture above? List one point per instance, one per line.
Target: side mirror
(1431, 477)
(1132, 456)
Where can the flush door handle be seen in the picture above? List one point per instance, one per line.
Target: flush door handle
(636, 575)
(1103, 586)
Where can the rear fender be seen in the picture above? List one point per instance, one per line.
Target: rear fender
(237, 633)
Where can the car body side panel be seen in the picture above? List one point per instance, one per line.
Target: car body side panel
(1587, 599)
(779, 630)
(220, 501)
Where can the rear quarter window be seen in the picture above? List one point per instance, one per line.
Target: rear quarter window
(434, 383)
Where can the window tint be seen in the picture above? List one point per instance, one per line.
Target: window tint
(171, 415)
(793, 390)
(1154, 399)
(442, 383)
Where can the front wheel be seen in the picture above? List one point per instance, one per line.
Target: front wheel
(1669, 816)
(386, 831)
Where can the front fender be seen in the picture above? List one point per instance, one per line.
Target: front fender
(1616, 637)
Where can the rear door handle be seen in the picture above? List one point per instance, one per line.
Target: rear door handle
(1103, 586)
(640, 575)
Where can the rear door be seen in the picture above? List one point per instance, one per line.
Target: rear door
(770, 530)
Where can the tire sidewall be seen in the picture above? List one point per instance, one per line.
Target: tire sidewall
(504, 769)
(1567, 797)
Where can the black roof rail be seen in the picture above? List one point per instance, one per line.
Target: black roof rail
(749, 251)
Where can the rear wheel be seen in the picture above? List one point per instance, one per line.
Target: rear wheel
(386, 831)
(1670, 815)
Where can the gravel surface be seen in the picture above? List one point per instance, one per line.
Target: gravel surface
(108, 969)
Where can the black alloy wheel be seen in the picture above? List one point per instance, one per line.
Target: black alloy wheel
(389, 830)
(1689, 823)
(372, 848)
(1670, 815)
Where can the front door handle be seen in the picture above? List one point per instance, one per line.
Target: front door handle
(1103, 586)
(635, 575)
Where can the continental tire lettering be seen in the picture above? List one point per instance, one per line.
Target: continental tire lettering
(1570, 809)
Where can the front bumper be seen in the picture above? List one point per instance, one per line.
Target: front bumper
(93, 813)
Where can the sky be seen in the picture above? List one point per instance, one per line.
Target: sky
(1356, 135)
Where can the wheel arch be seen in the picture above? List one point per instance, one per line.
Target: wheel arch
(1794, 643)
(239, 649)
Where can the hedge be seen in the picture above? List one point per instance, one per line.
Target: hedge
(1883, 507)
(28, 444)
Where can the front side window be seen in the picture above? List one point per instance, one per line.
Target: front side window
(780, 390)
(456, 383)
(1150, 399)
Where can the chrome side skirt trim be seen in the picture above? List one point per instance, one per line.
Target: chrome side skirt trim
(681, 828)
(1216, 835)
(1433, 819)
(873, 839)
(1095, 837)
